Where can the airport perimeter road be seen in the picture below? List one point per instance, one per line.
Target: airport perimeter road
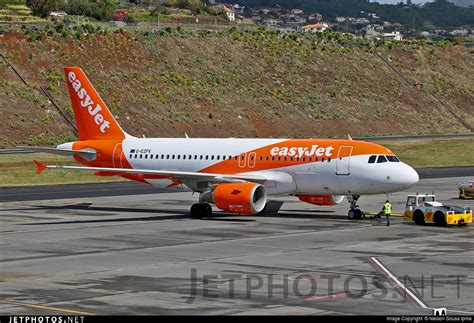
(137, 255)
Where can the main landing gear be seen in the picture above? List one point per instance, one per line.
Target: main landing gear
(201, 210)
(354, 213)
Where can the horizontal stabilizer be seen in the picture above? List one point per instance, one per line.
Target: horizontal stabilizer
(87, 154)
(41, 166)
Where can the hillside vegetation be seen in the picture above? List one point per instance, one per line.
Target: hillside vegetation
(235, 83)
(438, 13)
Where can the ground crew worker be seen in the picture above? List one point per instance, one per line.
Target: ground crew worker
(387, 210)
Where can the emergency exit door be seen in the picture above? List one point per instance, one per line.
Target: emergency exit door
(343, 160)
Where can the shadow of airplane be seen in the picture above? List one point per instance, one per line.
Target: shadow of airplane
(171, 214)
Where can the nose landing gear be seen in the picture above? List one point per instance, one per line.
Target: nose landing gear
(354, 213)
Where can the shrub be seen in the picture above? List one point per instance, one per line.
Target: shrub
(42, 8)
(119, 15)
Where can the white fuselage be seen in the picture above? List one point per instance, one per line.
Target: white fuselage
(332, 173)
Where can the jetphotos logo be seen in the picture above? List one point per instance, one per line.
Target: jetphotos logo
(314, 150)
(86, 102)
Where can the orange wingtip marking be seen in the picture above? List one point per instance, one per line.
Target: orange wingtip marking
(41, 166)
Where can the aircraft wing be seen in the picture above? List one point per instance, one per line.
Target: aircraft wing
(172, 174)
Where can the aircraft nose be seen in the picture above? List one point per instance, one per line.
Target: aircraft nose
(410, 176)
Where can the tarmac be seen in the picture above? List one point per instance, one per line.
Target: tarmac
(111, 251)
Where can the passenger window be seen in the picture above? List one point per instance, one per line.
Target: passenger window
(372, 159)
(141, 156)
(218, 157)
(381, 159)
(200, 157)
(136, 156)
(297, 159)
(304, 159)
(322, 159)
(316, 159)
(310, 159)
(273, 158)
(172, 157)
(393, 159)
(212, 157)
(279, 158)
(266, 158)
(261, 157)
(167, 156)
(162, 156)
(130, 156)
(184, 157)
(223, 157)
(190, 157)
(207, 157)
(195, 157)
(329, 159)
(178, 157)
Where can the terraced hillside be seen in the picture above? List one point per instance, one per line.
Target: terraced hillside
(237, 83)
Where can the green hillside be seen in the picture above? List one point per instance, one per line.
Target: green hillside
(236, 83)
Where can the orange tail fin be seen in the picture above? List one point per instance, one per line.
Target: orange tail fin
(93, 118)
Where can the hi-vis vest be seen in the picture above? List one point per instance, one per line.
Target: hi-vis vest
(387, 208)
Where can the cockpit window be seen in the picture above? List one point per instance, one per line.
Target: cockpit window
(381, 159)
(372, 159)
(393, 159)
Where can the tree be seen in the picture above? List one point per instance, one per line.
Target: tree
(98, 9)
(42, 8)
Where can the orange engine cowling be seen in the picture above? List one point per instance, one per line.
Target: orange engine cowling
(241, 198)
(322, 200)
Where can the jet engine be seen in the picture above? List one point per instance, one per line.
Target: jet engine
(321, 200)
(240, 198)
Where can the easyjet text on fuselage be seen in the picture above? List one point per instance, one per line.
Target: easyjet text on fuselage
(314, 150)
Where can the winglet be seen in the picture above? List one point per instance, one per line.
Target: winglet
(41, 167)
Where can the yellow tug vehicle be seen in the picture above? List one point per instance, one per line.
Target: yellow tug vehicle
(423, 208)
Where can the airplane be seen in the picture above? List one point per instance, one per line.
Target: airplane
(236, 175)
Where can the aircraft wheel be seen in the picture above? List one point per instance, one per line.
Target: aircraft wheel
(208, 209)
(355, 214)
(197, 211)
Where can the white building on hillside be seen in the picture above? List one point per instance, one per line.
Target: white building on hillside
(392, 36)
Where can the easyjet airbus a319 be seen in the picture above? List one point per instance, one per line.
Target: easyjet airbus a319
(236, 175)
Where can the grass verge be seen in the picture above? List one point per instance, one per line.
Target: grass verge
(20, 170)
(433, 152)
